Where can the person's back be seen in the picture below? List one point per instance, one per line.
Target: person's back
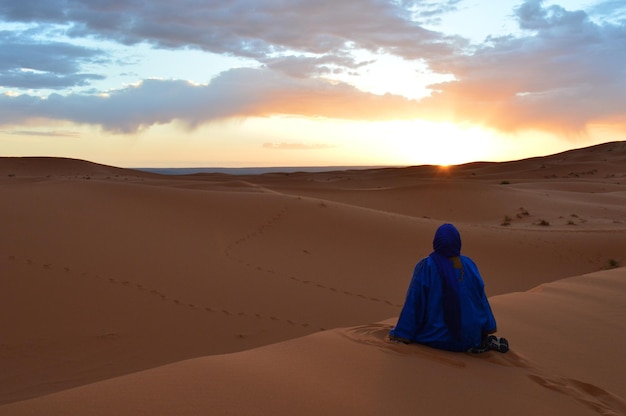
(446, 306)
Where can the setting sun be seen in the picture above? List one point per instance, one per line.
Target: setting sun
(436, 143)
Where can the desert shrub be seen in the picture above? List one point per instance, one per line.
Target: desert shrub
(505, 183)
(613, 264)
(543, 223)
(506, 221)
(523, 212)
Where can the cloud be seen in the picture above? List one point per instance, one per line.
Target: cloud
(243, 92)
(30, 64)
(260, 29)
(303, 66)
(565, 72)
(613, 10)
(51, 133)
(430, 11)
(297, 146)
(33, 80)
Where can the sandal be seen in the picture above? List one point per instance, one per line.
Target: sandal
(483, 347)
(393, 338)
(499, 344)
(478, 350)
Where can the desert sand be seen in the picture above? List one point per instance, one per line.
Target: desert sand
(126, 292)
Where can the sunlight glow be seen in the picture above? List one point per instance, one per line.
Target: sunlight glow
(283, 141)
(386, 74)
(437, 143)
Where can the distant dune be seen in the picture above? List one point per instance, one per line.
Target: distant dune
(130, 292)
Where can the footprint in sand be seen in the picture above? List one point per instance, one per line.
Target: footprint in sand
(378, 335)
(510, 359)
(163, 297)
(589, 395)
(259, 268)
(594, 397)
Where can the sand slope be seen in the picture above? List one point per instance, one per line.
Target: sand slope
(106, 272)
(555, 368)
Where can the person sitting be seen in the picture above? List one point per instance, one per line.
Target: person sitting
(446, 306)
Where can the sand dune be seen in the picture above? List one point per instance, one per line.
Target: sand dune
(273, 293)
(559, 366)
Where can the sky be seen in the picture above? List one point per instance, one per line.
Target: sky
(243, 83)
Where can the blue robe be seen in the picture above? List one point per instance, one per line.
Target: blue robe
(422, 317)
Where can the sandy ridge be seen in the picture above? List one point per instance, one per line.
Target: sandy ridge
(120, 285)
